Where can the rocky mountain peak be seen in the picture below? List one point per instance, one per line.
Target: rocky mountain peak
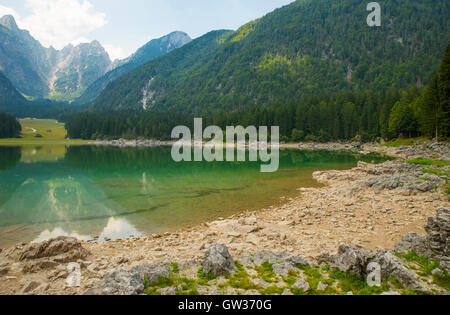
(9, 22)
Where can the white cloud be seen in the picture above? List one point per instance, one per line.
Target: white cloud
(115, 52)
(59, 22)
(8, 11)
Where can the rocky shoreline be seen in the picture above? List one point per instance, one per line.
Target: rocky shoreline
(369, 207)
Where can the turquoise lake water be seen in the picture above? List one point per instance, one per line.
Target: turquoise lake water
(111, 192)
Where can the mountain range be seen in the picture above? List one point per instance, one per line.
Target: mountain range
(150, 51)
(303, 49)
(40, 72)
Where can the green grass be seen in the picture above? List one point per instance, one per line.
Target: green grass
(41, 131)
(265, 272)
(425, 267)
(447, 189)
(428, 162)
(241, 279)
(349, 281)
(404, 142)
(338, 283)
(439, 173)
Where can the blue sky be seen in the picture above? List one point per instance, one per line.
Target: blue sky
(123, 26)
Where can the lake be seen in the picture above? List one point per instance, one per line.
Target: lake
(111, 192)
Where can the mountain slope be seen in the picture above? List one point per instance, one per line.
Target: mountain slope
(39, 72)
(151, 50)
(22, 59)
(306, 48)
(9, 96)
(170, 69)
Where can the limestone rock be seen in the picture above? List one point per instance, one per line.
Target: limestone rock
(392, 266)
(302, 285)
(438, 230)
(322, 286)
(390, 293)
(283, 268)
(123, 282)
(131, 281)
(61, 250)
(218, 260)
(351, 259)
(413, 242)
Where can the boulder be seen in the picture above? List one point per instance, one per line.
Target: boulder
(302, 285)
(60, 250)
(413, 242)
(438, 231)
(131, 281)
(283, 268)
(123, 282)
(218, 261)
(392, 266)
(351, 259)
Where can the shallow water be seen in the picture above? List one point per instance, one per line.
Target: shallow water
(109, 192)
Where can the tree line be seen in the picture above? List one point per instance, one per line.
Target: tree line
(9, 126)
(342, 116)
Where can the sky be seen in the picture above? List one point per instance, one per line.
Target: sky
(124, 26)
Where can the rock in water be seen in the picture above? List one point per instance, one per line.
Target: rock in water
(218, 261)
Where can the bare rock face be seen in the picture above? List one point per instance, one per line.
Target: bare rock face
(351, 259)
(61, 250)
(123, 282)
(438, 230)
(49, 254)
(392, 266)
(413, 242)
(131, 281)
(434, 245)
(218, 261)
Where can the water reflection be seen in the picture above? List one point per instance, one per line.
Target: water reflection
(115, 229)
(9, 157)
(86, 191)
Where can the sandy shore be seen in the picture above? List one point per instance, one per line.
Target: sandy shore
(346, 210)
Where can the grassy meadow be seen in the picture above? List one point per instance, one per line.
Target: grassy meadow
(41, 131)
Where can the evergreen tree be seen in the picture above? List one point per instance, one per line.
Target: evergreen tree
(444, 90)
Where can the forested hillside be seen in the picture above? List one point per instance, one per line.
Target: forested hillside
(9, 96)
(153, 49)
(9, 126)
(307, 48)
(345, 115)
(175, 67)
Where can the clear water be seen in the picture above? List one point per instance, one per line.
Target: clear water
(109, 192)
